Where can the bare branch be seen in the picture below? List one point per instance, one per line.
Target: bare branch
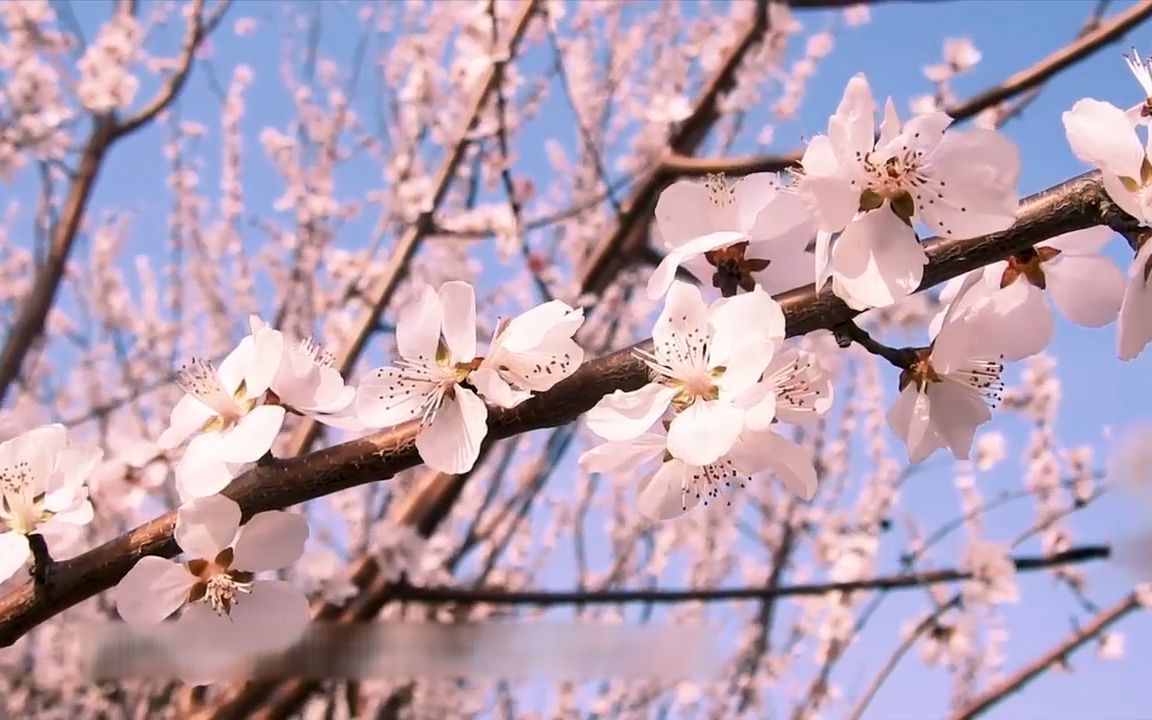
(198, 29)
(1073, 556)
(1096, 36)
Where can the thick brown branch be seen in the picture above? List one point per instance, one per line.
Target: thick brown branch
(1057, 654)
(1076, 204)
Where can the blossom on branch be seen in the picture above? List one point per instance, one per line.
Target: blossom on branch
(529, 353)
(677, 486)
(439, 379)
(42, 481)
(952, 386)
(1106, 137)
(306, 380)
(218, 587)
(1069, 270)
(704, 361)
(870, 188)
(733, 236)
(1103, 136)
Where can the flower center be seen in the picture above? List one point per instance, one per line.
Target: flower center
(217, 584)
(19, 509)
(920, 371)
(733, 270)
(199, 379)
(1028, 264)
(722, 202)
(697, 384)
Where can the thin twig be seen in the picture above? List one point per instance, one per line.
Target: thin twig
(1058, 653)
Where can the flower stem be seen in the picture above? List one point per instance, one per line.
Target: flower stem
(849, 332)
(42, 562)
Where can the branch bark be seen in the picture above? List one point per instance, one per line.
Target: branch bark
(1076, 204)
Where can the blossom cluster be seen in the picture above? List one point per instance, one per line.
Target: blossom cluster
(722, 378)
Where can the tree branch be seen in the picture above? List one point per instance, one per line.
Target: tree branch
(408, 243)
(1079, 49)
(105, 131)
(198, 29)
(544, 598)
(1082, 47)
(850, 332)
(1076, 204)
(1059, 652)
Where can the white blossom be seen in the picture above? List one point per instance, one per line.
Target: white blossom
(217, 586)
(42, 482)
(733, 236)
(870, 189)
(703, 362)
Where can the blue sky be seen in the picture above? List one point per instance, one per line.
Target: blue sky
(1099, 392)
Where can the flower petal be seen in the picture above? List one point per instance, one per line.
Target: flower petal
(188, 416)
(909, 420)
(783, 216)
(450, 443)
(972, 188)
(626, 415)
(201, 471)
(666, 495)
(683, 213)
(851, 128)
(458, 319)
(665, 272)
(623, 456)
(878, 260)
(272, 617)
(74, 465)
(684, 319)
(704, 431)
(529, 329)
(269, 541)
(738, 320)
(1089, 241)
(1087, 289)
(14, 552)
(418, 327)
(785, 272)
(264, 362)
(1023, 324)
(791, 463)
(390, 396)
(1134, 327)
(152, 590)
(1100, 134)
(495, 390)
(207, 525)
(957, 410)
(253, 435)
